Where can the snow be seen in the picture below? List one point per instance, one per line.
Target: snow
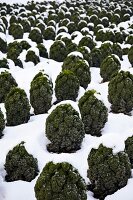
(126, 24)
(3, 36)
(78, 37)
(115, 132)
(76, 53)
(33, 134)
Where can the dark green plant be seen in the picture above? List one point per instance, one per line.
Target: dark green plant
(30, 6)
(68, 14)
(13, 50)
(64, 22)
(2, 123)
(97, 28)
(130, 55)
(36, 36)
(52, 17)
(3, 45)
(42, 50)
(119, 37)
(5, 21)
(129, 39)
(87, 41)
(59, 37)
(80, 68)
(86, 18)
(85, 31)
(16, 30)
(66, 40)
(106, 49)
(49, 33)
(32, 57)
(131, 26)
(97, 57)
(32, 20)
(3, 12)
(107, 172)
(20, 165)
(41, 26)
(109, 36)
(13, 19)
(16, 45)
(41, 93)
(58, 51)
(2, 28)
(41, 73)
(64, 129)
(90, 26)
(18, 62)
(6, 83)
(75, 16)
(109, 67)
(82, 24)
(61, 14)
(115, 18)
(71, 47)
(71, 27)
(62, 29)
(94, 19)
(13, 54)
(22, 14)
(126, 17)
(125, 50)
(120, 92)
(116, 49)
(51, 23)
(129, 149)
(105, 21)
(4, 63)
(17, 107)
(86, 54)
(66, 86)
(25, 45)
(60, 181)
(94, 114)
(26, 25)
(100, 35)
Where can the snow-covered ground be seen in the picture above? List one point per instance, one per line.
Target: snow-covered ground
(115, 132)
